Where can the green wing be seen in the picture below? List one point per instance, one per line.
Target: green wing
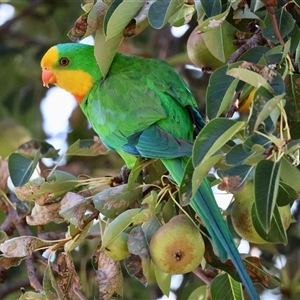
(143, 98)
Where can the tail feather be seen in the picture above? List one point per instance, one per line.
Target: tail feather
(205, 206)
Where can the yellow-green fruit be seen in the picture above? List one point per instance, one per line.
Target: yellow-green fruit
(118, 250)
(177, 247)
(241, 215)
(200, 55)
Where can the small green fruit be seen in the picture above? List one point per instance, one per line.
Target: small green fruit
(118, 249)
(200, 55)
(241, 215)
(177, 247)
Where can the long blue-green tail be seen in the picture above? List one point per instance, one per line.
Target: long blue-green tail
(205, 206)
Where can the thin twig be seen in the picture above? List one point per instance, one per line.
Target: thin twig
(234, 105)
(256, 40)
(205, 275)
(13, 286)
(44, 261)
(33, 278)
(270, 4)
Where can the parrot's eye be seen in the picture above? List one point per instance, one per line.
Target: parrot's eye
(64, 61)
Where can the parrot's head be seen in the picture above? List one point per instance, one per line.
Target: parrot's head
(72, 67)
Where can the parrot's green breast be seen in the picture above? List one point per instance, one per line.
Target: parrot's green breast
(135, 95)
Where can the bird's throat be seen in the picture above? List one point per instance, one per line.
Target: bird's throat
(76, 82)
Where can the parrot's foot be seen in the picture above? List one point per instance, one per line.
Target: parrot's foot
(123, 176)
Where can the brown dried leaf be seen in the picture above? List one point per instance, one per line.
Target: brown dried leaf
(8, 262)
(79, 29)
(41, 215)
(4, 174)
(73, 208)
(31, 191)
(98, 147)
(134, 267)
(89, 22)
(22, 246)
(108, 276)
(69, 282)
(231, 184)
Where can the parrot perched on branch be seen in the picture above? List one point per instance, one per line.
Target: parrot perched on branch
(142, 108)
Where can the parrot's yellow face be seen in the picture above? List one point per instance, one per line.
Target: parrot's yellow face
(60, 71)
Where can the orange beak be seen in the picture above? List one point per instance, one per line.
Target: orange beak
(48, 78)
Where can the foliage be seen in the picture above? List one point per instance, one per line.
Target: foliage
(263, 146)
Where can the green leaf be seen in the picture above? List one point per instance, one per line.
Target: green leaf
(112, 7)
(168, 211)
(59, 183)
(163, 281)
(258, 75)
(155, 171)
(292, 106)
(254, 54)
(249, 76)
(186, 187)
(276, 233)
(201, 172)
(238, 155)
(243, 12)
(216, 39)
(212, 137)
(285, 23)
(225, 287)
(218, 86)
(289, 174)
(87, 148)
(30, 148)
(286, 194)
(269, 110)
(21, 168)
(292, 146)
(137, 243)
(182, 16)
(117, 226)
(118, 16)
(264, 110)
(294, 36)
(50, 285)
(105, 51)
(214, 20)
(266, 182)
(212, 9)
(199, 293)
(79, 238)
(150, 227)
(161, 11)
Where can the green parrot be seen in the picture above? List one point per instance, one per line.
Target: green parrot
(142, 108)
